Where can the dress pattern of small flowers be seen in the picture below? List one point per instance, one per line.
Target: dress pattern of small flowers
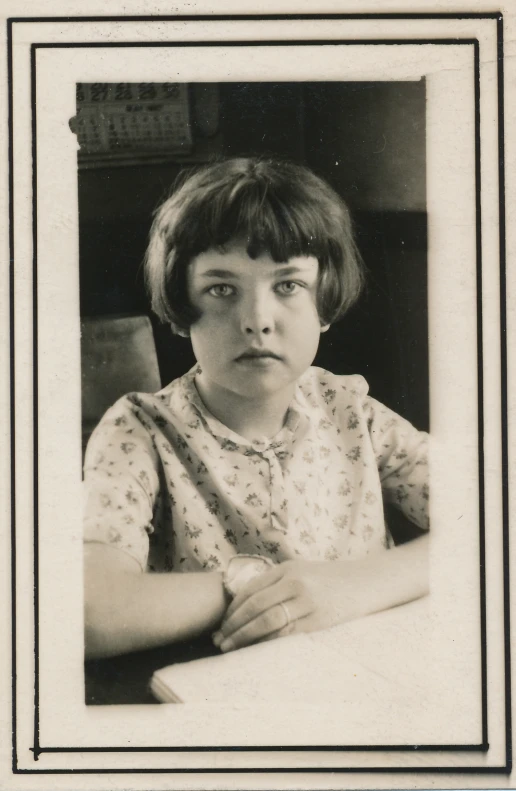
(169, 484)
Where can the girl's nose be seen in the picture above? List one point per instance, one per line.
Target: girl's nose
(256, 316)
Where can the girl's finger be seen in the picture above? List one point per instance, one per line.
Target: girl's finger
(297, 627)
(253, 606)
(281, 618)
(258, 583)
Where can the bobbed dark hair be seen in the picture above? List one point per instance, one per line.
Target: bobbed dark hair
(273, 207)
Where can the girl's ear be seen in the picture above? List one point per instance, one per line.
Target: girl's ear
(325, 327)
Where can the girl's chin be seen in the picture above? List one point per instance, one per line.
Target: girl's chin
(255, 386)
(251, 381)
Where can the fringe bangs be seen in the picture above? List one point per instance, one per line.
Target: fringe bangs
(273, 208)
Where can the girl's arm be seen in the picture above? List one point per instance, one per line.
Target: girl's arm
(127, 609)
(305, 596)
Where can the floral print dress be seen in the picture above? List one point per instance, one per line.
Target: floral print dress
(169, 484)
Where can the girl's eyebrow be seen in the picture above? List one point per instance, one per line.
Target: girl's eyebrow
(292, 270)
(219, 273)
(284, 271)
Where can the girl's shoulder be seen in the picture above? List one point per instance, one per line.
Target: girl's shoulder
(323, 387)
(174, 400)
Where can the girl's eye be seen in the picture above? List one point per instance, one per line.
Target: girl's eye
(221, 290)
(287, 287)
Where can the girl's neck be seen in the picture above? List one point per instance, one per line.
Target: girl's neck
(250, 418)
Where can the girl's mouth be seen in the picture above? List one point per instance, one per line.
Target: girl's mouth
(255, 355)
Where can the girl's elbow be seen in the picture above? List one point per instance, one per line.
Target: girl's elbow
(100, 632)
(94, 635)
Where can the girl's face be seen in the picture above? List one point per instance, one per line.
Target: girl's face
(258, 329)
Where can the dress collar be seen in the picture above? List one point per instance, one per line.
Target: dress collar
(225, 436)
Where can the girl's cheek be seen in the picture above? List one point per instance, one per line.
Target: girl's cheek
(208, 311)
(217, 320)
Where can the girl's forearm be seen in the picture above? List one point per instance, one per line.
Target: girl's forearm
(126, 610)
(397, 576)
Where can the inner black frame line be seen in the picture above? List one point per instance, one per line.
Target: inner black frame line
(483, 746)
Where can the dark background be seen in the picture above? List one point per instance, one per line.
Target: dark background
(368, 141)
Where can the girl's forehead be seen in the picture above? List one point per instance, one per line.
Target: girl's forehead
(235, 260)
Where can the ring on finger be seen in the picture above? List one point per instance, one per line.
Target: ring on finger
(288, 622)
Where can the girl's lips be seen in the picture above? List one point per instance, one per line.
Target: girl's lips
(257, 355)
(258, 360)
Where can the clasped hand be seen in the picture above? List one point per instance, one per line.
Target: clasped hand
(294, 596)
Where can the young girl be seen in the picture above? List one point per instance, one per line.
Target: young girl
(255, 481)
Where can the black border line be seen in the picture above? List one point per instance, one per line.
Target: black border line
(35, 391)
(253, 43)
(480, 397)
(396, 748)
(261, 17)
(483, 746)
(12, 391)
(489, 15)
(504, 402)
(488, 770)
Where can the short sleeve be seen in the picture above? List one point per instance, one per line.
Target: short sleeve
(121, 482)
(402, 458)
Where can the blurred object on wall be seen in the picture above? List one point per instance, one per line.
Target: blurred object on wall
(127, 123)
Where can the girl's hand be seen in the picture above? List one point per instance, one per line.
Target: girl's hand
(295, 596)
(305, 596)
